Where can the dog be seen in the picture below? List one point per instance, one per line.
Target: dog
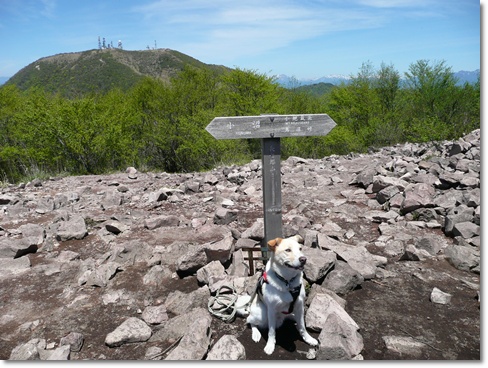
(280, 292)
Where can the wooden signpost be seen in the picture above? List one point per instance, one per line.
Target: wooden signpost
(270, 128)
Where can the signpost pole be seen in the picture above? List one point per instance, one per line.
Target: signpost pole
(271, 174)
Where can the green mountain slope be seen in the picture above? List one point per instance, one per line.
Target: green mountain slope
(73, 74)
(317, 89)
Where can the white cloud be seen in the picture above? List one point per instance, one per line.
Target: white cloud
(246, 28)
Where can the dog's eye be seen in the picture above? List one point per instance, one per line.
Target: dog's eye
(288, 250)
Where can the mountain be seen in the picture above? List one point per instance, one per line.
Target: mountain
(100, 70)
(291, 82)
(317, 89)
(467, 76)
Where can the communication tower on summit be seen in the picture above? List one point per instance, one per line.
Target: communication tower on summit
(119, 44)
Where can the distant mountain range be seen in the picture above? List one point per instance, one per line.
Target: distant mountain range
(292, 82)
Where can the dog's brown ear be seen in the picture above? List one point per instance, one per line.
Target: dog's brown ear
(272, 244)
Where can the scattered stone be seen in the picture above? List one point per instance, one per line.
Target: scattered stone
(439, 297)
(131, 330)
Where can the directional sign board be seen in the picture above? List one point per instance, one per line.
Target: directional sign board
(270, 126)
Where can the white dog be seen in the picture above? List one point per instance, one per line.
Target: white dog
(281, 293)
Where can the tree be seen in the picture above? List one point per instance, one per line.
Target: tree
(432, 100)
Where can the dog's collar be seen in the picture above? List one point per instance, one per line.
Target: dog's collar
(287, 282)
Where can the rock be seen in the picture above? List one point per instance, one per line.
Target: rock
(155, 314)
(10, 266)
(227, 348)
(404, 345)
(339, 340)
(320, 308)
(439, 297)
(220, 250)
(27, 351)
(461, 213)
(194, 344)
(131, 330)
(463, 258)
(60, 353)
(224, 216)
(417, 196)
(466, 229)
(178, 302)
(319, 263)
(74, 340)
(102, 275)
(343, 278)
(161, 221)
(212, 269)
(357, 257)
(191, 261)
(74, 228)
(177, 326)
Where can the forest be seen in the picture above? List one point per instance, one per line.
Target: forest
(160, 126)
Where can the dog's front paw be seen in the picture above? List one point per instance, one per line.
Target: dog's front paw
(310, 340)
(269, 348)
(256, 335)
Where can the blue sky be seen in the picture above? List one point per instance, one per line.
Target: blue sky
(300, 38)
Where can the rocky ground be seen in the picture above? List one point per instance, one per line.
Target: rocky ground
(122, 266)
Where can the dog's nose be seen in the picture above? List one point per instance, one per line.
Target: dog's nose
(302, 260)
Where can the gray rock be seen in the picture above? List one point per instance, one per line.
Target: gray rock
(343, 278)
(194, 344)
(227, 348)
(74, 228)
(161, 221)
(319, 263)
(463, 258)
(457, 215)
(74, 340)
(320, 308)
(381, 182)
(34, 232)
(357, 257)
(131, 330)
(9, 266)
(466, 229)
(192, 260)
(417, 196)
(155, 314)
(156, 275)
(101, 276)
(178, 302)
(212, 269)
(365, 177)
(27, 351)
(256, 231)
(224, 216)
(60, 353)
(339, 340)
(177, 326)
(385, 194)
(439, 297)
(220, 250)
(404, 345)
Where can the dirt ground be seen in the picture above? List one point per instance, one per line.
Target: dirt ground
(397, 306)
